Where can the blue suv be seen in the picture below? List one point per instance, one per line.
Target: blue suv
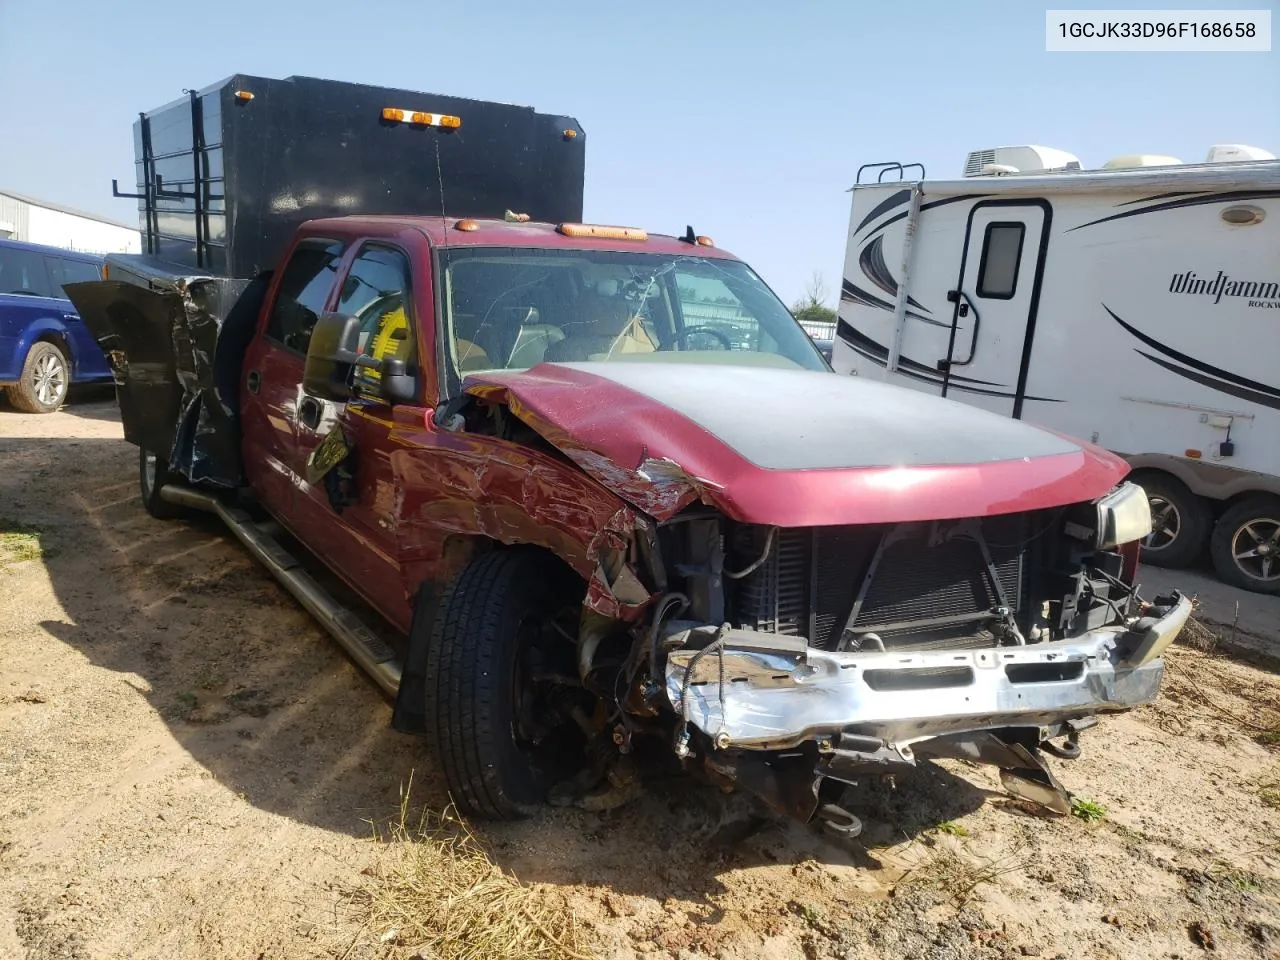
(44, 347)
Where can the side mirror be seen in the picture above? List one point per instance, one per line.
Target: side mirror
(398, 385)
(331, 354)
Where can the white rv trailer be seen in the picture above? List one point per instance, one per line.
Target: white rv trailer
(1137, 307)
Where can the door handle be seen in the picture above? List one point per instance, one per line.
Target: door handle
(964, 306)
(253, 381)
(309, 412)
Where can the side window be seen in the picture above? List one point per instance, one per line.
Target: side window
(304, 287)
(22, 271)
(377, 293)
(62, 271)
(1001, 254)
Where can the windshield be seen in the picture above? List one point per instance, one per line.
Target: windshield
(512, 308)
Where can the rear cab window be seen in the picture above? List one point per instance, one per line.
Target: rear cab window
(305, 285)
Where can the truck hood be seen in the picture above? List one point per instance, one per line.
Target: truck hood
(794, 447)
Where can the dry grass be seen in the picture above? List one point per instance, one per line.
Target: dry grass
(1269, 789)
(1201, 683)
(438, 893)
(956, 872)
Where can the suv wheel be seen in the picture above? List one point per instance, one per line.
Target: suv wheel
(1180, 523)
(1246, 545)
(498, 719)
(45, 377)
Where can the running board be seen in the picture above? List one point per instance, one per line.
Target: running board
(368, 650)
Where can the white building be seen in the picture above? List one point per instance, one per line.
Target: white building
(35, 221)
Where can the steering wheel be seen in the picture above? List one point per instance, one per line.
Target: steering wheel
(684, 335)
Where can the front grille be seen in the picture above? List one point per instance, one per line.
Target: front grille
(928, 590)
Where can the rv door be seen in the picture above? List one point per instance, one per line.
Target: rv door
(994, 304)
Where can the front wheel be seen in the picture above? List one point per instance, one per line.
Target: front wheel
(153, 474)
(1246, 545)
(498, 726)
(44, 381)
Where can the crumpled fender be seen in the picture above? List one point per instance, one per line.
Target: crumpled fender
(477, 485)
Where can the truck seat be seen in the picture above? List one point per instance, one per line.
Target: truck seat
(471, 356)
(532, 342)
(601, 325)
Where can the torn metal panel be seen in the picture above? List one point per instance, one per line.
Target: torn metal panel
(476, 485)
(658, 486)
(175, 341)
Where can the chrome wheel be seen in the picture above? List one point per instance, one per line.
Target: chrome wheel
(1255, 548)
(1166, 524)
(49, 379)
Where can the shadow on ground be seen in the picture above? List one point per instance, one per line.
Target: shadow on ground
(257, 694)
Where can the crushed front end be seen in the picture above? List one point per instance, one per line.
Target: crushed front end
(797, 661)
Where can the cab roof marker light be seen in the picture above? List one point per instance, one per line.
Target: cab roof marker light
(244, 96)
(467, 226)
(421, 118)
(600, 232)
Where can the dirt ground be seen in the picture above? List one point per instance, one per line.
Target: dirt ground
(189, 768)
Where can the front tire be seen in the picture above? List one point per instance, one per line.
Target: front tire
(153, 474)
(1246, 545)
(1181, 523)
(488, 621)
(46, 376)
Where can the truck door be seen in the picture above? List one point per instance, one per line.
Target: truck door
(271, 390)
(994, 304)
(356, 531)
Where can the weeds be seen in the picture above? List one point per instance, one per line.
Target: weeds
(18, 543)
(952, 829)
(957, 875)
(1087, 810)
(441, 895)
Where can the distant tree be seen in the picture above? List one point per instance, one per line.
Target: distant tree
(810, 308)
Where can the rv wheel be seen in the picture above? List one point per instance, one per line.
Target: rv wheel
(1180, 522)
(1246, 545)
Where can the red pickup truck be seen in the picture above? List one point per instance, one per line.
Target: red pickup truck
(606, 492)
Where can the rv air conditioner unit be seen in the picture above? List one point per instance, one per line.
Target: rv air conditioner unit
(1130, 160)
(1234, 152)
(1025, 159)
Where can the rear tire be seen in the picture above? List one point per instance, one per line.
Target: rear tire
(153, 474)
(46, 375)
(488, 619)
(1246, 545)
(1181, 522)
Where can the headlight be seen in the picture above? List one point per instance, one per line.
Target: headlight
(1124, 515)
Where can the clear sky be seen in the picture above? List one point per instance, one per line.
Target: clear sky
(745, 119)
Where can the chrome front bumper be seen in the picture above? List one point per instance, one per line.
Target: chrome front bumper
(777, 693)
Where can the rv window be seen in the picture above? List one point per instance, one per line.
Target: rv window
(1001, 253)
(304, 289)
